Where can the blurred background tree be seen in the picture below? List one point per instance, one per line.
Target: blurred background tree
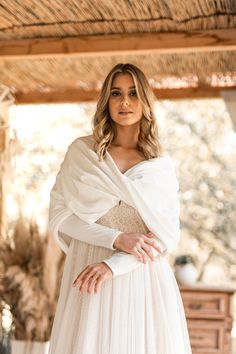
(200, 137)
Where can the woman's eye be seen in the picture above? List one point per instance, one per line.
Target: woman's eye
(115, 93)
(133, 93)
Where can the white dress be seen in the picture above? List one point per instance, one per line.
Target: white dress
(136, 312)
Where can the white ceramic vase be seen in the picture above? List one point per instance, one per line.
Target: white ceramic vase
(186, 274)
(23, 347)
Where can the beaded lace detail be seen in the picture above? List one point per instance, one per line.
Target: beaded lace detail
(124, 218)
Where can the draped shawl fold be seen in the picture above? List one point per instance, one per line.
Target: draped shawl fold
(88, 188)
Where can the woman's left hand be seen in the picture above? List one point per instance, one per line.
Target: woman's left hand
(92, 277)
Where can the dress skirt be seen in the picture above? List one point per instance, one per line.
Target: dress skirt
(139, 312)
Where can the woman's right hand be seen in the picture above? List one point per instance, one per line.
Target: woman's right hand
(137, 244)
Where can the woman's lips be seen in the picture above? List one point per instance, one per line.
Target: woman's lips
(125, 113)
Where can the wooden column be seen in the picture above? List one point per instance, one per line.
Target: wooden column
(6, 100)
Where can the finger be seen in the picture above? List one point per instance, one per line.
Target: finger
(77, 280)
(85, 281)
(150, 235)
(137, 254)
(80, 276)
(144, 255)
(91, 283)
(153, 244)
(148, 251)
(98, 284)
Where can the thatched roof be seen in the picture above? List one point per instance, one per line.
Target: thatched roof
(62, 50)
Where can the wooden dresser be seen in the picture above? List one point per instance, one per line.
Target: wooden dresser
(209, 317)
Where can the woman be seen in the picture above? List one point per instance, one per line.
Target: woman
(114, 210)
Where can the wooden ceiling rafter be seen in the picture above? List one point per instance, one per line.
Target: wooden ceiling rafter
(79, 95)
(136, 43)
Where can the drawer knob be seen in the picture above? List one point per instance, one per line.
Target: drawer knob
(196, 306)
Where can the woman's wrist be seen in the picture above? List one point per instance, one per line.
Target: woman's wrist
(116, 242)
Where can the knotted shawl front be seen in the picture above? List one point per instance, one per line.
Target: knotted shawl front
(88, 188)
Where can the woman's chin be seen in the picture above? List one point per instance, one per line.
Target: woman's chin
(126, 121)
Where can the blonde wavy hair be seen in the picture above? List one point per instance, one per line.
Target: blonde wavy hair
(104, 127)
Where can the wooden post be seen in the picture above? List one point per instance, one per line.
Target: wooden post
(6, 99)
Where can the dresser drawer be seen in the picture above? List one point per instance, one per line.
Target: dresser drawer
(205, 305)
(206, 337)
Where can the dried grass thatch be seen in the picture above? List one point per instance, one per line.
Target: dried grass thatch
(69, 19)
(63, 18)
(163, 70)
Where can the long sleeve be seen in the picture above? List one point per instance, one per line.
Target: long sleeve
(94, 234)
(64, 223)
(121, 262)
(100, 235)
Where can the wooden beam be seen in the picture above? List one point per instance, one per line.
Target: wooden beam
(123, 44)
(202, 91)
(63, 96)
(76, 95)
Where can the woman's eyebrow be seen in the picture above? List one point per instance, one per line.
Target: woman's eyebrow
(119, 88)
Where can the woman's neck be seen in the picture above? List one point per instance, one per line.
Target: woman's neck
(126, 137)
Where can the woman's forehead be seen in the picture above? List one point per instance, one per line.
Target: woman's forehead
(123, 79)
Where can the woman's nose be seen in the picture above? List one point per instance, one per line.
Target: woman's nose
(125, 102)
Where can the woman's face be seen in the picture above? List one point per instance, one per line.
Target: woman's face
(124, 106)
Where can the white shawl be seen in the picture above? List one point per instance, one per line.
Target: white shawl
(88, 188)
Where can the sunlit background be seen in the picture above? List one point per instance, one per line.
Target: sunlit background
(198, 134)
